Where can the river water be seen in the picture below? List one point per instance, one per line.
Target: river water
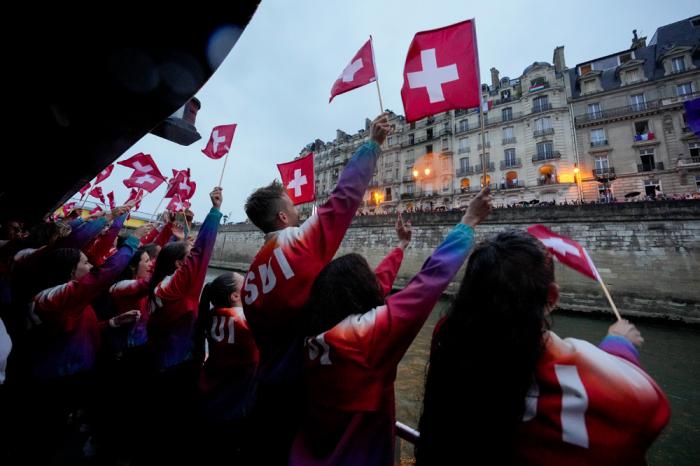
(671, 354)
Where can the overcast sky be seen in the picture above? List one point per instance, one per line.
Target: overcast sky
(275, 83)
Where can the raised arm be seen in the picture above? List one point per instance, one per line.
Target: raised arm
(98, 250)
(623, 340)
(399, 321)
(83, 234)
(323, 232)
(388, 268)
(188, 279)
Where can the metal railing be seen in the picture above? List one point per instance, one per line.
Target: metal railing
(617, 112)
(541, 108)
(513, 184)
(599, 143)
(464, 150)
(689, 161)
(508, 141)
(517, 163)
(547, 181)
(406, 196)
(649, 167)
(541, 156)
(543, 132)
(488, 145)
(480, 168)
(603, 172)
(465, 171)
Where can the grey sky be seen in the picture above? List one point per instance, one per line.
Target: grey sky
(275, 83)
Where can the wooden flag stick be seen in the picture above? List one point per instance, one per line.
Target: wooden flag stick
(483, 148)
(221, 178)
(607, 295)
(376, 73)
(158, 207)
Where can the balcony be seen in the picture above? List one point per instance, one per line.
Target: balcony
(465, 171)
(464, 150)
(547, 180)
(406, 196)
(488, 145)
(617, 112)
(506, 164)
(543, 156)
(388, 180)
(480, 168)
(643, 138)
(541, 108)
(538, 87)
(599, 143)
(459, 129)
(649, 167)
(407, 178)
(604, 174)
(689, 161)
(513, 184)
(543, 132)
(507, 141)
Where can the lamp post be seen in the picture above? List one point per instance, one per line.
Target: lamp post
(577, 179)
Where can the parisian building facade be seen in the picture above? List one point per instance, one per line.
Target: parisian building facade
(605, 129)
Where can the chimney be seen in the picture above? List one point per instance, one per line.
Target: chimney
(638, 42)
(558, 59)
(494, 78)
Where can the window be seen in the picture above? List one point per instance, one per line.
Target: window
(445, 184)
(584, 69)
(545, 150)
(508, 133)
(509, 158)
(588, 86)
(540, 104)
(429, 149)
(543, 124)
(463, 145)
(625, 57)
(637, 102)
(507, 114)
(409, 188)
(445, 145)
(694, 150)
(598, 137)
(647, 158)
(463, 125)
(412, 125)
(632, 76)
(684, 89)
(601, 163)
(697, 183)
(410, 157)
(505, 94)
(604, 192)
(411, 138)
(390, 140)
(445, 164)
(594, 111)
(678, 65)
(641, 131)
(464, 164)
(429, 133)
(652, 188)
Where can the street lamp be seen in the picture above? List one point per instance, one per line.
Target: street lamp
(426, 171)
(577, 179)
(415, 173)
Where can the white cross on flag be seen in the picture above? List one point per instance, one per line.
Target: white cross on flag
(104, 174)
(360, 71)
(96, 192)
(566, 251)
(219, 141)
(181, 184)
(441, 71)
(178, 205)
(143, 180)
(298, 178)
(143, 163)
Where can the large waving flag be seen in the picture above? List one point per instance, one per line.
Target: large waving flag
(298, 178)
(220, 141)
(566, 250)
(143, 163)
(441, 71)
(360, 71)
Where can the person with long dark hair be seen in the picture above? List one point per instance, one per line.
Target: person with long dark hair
(354, 346)
(227, 379)
(503, 389)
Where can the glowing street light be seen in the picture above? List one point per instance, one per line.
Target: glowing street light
(415, 173)
(427, 171)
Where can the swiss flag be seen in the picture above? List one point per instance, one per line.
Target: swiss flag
(143, 163)
(96, 192)
(67, 208)
(441, 71)
(566, 250)
(84, 189)
(177, 205)
(96, 209)
(110, 198)
(298, 178)
(142, 180)
(181, 184)
(104, 174)
(219, 141)
(360, 71)
(135, 195)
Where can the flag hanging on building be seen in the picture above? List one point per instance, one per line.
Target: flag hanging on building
(692, 115)
(220, 141)
(104, 174)
(360, 71)
(298, 178)
(441, 71)
(566, 251)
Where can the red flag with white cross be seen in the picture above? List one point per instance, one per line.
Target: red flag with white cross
(298, 178)
(441, 71)
(360, 71)
(142, 180)
(96, 192)
(135, 195)
(84, 189)
(143, 163)
(178, 205)
(110, 198)
(104, 174)
(219, 141)
(181, 184)
(566, 251)
(96, 209)
(67, 207)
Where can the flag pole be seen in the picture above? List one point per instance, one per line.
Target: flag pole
(158, 206)
(483, 146)
(376, 80)
(221, 178)
(607, 295)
